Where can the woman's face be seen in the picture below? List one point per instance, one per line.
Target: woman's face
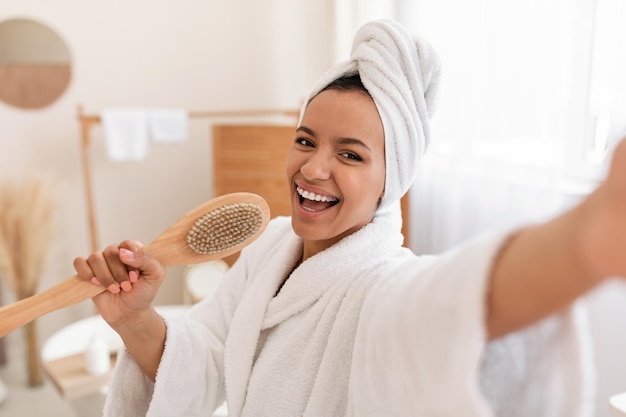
(336, 168)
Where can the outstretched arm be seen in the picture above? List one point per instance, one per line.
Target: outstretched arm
(543, 268)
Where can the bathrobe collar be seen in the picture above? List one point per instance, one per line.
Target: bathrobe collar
(354, 256)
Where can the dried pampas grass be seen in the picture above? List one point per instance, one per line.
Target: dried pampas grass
(26, 213)
(26, 217)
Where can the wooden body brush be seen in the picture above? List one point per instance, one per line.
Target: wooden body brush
(213, 230)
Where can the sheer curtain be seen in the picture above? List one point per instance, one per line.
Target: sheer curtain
(512, 129)
(528, 104)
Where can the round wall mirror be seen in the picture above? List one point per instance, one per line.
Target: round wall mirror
(35, 64)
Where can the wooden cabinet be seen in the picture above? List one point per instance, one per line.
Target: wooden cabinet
(252, 158)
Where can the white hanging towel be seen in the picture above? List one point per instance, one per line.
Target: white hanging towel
(125, 133)
(168, 125)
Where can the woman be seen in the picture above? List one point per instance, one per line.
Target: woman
(327, 315)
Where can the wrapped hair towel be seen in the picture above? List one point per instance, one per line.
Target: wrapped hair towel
(401, 73)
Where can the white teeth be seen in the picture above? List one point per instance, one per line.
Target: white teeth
(314, 197)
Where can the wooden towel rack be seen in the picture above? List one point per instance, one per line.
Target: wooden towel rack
(88, 121)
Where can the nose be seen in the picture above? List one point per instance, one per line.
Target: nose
(317, 166)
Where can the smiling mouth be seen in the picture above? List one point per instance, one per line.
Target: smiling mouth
(313, 202)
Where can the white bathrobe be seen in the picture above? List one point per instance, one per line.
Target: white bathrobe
(364, 328)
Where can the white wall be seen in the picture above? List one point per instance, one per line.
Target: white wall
(199, 55)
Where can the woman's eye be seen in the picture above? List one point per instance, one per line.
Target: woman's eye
(304, 142)
(351, 156)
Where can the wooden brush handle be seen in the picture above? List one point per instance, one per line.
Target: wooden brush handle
(170, 248)
(70, 291)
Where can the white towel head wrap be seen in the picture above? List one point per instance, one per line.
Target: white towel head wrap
(401, 73)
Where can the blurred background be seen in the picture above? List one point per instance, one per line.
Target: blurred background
(533, 97)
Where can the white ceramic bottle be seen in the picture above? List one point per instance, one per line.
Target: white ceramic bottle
(97, 356)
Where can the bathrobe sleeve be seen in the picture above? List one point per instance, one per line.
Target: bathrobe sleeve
(421, 348)
(190, 377)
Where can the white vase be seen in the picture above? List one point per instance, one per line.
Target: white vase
(97, 356)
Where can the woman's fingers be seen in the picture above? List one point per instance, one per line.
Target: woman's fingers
(82, 268)
(118, 270)
(109, 268)
(131, 252)
(140, 263)
(119, 267)
(106, 270)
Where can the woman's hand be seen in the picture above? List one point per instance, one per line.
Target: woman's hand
(603, 234)
(131, 277)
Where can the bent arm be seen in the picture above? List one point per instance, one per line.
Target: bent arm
(144, 338)
(132, 279)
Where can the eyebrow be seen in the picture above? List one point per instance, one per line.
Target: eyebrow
(342, 141)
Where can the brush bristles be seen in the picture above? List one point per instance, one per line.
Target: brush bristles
(224, 228)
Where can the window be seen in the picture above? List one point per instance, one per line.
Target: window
(532, 83)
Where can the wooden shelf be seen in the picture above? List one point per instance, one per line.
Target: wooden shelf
(71, 379)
